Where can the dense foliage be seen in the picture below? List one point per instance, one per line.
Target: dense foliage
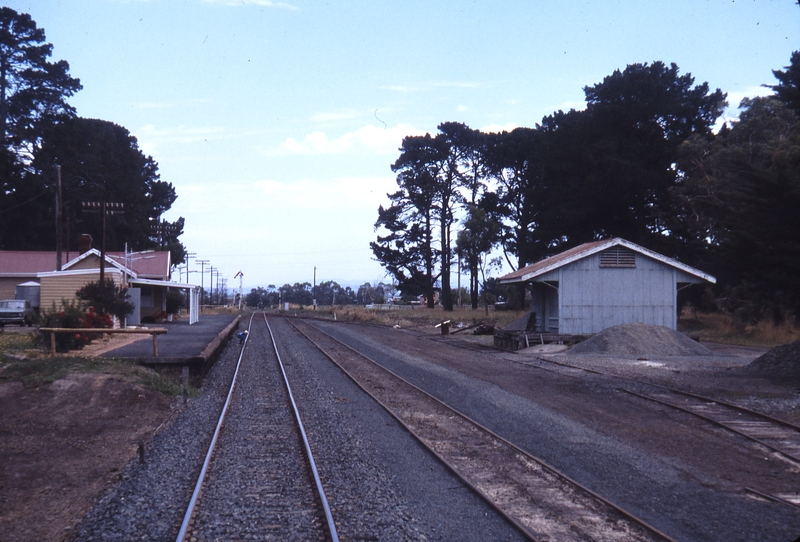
(106, 299)
(100, 161)
(641, 162)
(73, 314)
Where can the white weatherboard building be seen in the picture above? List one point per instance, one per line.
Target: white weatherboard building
(601, 284)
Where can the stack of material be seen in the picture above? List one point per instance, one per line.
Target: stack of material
(641, 340)
(522, 325)
(783, 361)
(512, 336)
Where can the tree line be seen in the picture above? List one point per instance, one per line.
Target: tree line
(99, 161)
(326, 293)
(642, 161)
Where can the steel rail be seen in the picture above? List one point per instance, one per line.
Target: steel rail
(519, 450)
(722, 403)
(773, 498)
(718, 423)
(312, 463)
(187, 518)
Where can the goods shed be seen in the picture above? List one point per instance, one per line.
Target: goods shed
(597, 285)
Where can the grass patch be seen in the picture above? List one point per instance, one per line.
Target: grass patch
(46, 369)
(17, 341)
(722, 328)
(22, 358)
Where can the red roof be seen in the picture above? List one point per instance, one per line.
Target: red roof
(150, 264)
(146, 265)
(24, 262)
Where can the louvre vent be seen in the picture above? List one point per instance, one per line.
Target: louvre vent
(617, 257)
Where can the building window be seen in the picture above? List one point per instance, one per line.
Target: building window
(618, 257)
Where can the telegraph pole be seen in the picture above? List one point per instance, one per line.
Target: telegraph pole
(104, 208)
(202, 275)
(59, 242)
(211, 282)
(189, 256)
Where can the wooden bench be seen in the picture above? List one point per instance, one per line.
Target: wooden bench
(155, 332)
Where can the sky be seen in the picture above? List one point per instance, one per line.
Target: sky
(277, 122)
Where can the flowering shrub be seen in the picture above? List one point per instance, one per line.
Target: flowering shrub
(72, 315)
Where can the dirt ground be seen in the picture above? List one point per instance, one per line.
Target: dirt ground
(62, 444)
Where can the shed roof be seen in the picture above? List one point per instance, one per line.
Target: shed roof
(542, 267)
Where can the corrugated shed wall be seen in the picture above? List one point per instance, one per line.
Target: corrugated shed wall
(594, 298)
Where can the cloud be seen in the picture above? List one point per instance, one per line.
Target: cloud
(431, 85)
(566, 106)
(152, 138)
(370, 139)
(350, 193)
(462, 108)
(735, 98)
(170, 105)
(262, 3)
(345, 114)
(358, 195)
(497, 128)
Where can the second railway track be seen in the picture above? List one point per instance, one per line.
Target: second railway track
(542, 502)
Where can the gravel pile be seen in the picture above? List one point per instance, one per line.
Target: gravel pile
(641, 340)
(782, 361)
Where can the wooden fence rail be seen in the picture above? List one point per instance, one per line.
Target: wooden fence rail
(155, 332)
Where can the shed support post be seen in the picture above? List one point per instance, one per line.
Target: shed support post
(53, 343)
(155, 345)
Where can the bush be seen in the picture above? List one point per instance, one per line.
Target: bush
(106, 298)
(72, 315)
(175, 301)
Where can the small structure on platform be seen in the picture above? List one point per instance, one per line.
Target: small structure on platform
(601, 284)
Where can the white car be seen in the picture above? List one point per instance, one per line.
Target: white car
(16, 311)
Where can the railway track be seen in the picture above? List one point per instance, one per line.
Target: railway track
(779, 436)
(543, 503)
(259, 479)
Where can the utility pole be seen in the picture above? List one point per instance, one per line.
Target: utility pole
(315, 288)
(459, 280)
(163, 230)
(59, 243)
(211, 283)
(105, 208)
(202, 275)
(189, 256)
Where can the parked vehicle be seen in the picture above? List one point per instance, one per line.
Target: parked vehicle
(16, 311)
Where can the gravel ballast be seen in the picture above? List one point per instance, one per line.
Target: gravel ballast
(683, 477)
(381, 484)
